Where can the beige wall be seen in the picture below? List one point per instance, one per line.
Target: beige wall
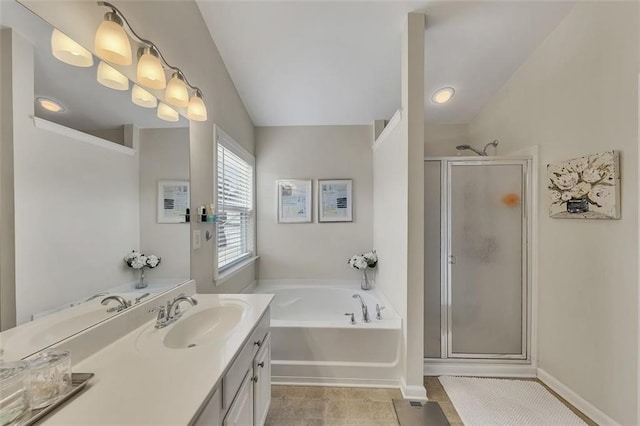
(7, 234)
(164, 155)
(442, 139)
(576, 95)
(313, 250)
(413, 60)
(398, 208)
(390, 216)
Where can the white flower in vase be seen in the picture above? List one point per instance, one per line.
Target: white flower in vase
(358, 262)
(138, 261)
(363, 262)
(153, 261)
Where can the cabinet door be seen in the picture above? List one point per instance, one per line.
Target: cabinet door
(210, 416)
(262, 385)
(241, 411)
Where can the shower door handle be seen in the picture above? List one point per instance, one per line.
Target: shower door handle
(452, 259)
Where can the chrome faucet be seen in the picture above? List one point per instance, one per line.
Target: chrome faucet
(95, 296)
(365, 310)
(123, 303)
(378, 309)
(172, 312)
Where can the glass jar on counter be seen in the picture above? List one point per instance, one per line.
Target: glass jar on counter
(49, 377)
(14, 391)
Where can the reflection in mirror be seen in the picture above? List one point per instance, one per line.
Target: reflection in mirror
(81, 203)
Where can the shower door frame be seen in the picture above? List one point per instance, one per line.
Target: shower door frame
(446, 165)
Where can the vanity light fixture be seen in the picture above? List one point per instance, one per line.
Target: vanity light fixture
(49, 104)
(68, 51)
(111, 78)
(177, 93)
(142, 98)
(196, 110)
(166, 113)
(112, 42)
(443, 95)
(151, 67)
(150, 72)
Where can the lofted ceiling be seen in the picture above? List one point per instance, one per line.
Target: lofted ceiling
(323, 63)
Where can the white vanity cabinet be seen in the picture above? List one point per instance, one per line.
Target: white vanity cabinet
(244, 397)
(262, 383)
(241, 411)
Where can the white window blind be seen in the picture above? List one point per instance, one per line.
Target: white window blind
(235, 203)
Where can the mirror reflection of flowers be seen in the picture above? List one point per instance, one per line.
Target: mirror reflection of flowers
(137, 260)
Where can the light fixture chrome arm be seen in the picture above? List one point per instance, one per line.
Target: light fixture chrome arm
(150, 44)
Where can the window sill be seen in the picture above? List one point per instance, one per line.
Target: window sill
(226, 275)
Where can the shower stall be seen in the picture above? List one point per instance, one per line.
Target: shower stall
(477, 293)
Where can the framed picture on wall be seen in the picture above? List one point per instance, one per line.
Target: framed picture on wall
(294, 200)
(586, 187)
(173, 201)
(335, 200)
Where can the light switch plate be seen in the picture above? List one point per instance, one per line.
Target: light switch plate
(197, 239)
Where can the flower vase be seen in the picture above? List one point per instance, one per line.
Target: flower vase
(141, 283)
(366, 283)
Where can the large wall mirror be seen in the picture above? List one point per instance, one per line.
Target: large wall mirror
(86, 182)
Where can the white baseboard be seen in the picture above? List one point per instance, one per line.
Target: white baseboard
(576, 400)
(418, 393)
(478, 369)
(334, 382)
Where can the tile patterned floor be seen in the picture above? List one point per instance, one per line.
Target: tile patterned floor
(302, 406)
(310, 406)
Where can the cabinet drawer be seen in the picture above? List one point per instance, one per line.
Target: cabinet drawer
(232, 380)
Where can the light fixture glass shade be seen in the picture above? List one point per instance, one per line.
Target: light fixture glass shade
(112, 42)
(443, 95)
(177, 93)
(197, 110)
(150, 71)
(111, 78)
(166, 113)
(142, 98)
(68, 51)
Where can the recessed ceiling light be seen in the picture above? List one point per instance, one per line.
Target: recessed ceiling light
(443, 95)
(50, 105)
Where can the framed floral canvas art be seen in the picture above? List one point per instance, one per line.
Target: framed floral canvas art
(586, 187)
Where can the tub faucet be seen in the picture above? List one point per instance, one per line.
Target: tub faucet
(365, 310)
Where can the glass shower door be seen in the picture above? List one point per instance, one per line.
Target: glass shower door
(487, 259)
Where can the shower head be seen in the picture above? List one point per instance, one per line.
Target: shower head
(482, 153)
(470, 148)
(493, 144)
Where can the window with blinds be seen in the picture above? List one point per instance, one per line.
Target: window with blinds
(235, 204)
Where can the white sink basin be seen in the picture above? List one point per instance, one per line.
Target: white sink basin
(200, 326)
(204, 326)
(68, 322)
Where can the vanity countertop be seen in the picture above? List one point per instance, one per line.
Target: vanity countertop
(160, 387)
